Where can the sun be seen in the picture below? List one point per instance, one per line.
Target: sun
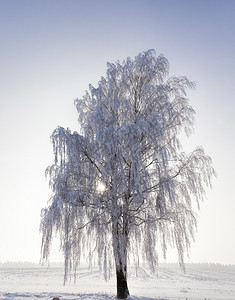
(101, 187)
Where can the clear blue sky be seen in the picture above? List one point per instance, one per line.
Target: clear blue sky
(51, 50)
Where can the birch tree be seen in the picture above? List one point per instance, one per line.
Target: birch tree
(122, 186)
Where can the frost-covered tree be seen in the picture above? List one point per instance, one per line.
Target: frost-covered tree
(122, 186)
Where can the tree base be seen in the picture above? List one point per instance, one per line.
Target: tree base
(122, 288)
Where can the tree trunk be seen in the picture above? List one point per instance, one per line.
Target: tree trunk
(122, 288)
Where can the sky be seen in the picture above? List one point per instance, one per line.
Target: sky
(52, 50)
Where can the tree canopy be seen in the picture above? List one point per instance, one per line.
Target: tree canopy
(123, 187)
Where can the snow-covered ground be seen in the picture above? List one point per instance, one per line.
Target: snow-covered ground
(201, 282)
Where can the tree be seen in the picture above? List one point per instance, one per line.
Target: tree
(122, 187)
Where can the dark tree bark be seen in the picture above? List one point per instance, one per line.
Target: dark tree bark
(120, 237)
(122, 288)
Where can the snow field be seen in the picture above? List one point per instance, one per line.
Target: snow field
(203, 282)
